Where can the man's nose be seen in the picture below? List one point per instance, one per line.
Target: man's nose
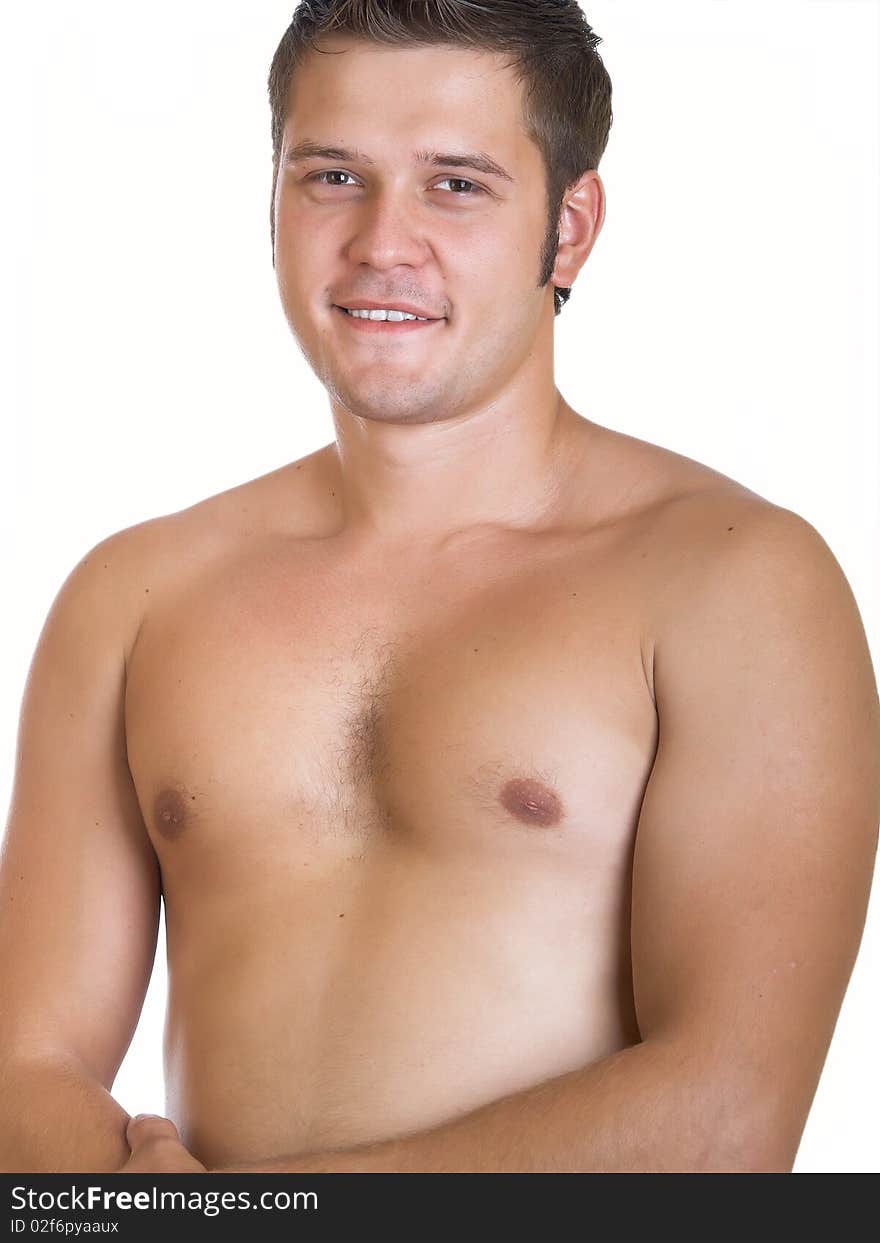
(388, 229)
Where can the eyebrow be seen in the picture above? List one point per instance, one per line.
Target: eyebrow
(477, 160)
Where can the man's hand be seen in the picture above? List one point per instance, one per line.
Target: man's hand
(156, 1148)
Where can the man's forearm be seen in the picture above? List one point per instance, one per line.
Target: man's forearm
(55, 1117)
(644, 1108)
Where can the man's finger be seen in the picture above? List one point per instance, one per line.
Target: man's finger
(146, 1128)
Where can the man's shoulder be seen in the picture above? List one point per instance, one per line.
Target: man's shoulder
(740, 572)
(704, 540)
(158, 558)
(719, 533)
(686, 507)
(280, 500)
(283, 500)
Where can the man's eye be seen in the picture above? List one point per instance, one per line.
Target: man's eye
(474, 189)
(330, 172)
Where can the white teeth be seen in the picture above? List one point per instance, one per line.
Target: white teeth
(394, 316)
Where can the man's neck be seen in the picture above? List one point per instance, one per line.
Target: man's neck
(402, 485)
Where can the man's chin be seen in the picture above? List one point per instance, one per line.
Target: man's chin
(390, 411)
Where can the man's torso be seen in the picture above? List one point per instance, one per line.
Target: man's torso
(395, 799)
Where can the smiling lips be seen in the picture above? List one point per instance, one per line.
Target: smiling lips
(393, 313)
(386, 321)
(391, 310)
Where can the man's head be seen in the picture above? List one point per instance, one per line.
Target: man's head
(548, 43)
(437, 155)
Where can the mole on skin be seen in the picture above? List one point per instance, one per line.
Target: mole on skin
(169, 813)
(531, 802)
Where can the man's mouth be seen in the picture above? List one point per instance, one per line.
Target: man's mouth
(385, 322)
(380, 315)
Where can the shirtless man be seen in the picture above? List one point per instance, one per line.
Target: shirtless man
(511, 783)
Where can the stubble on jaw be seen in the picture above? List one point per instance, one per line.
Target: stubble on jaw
(399, 403)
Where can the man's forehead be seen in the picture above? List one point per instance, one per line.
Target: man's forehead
(361, 98)
(378, 78)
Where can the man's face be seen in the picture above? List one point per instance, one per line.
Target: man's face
(460, 243)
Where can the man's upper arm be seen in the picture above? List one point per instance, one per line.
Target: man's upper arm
(758, 830)
(79, 887)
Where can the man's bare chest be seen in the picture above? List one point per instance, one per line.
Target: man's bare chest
(283, 712)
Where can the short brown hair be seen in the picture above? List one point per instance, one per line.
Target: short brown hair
(567, 101)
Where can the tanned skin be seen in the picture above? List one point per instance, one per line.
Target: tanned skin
(511, 783)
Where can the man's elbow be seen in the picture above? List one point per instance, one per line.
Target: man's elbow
(769, 1152)
(734, 1124)
(756, 1143)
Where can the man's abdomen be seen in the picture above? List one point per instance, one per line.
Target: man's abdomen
(382, 995)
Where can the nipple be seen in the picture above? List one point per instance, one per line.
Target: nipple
(531, 802)
(169, 813)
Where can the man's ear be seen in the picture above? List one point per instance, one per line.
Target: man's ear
(580, 223)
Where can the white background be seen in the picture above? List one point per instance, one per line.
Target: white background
(729, 312)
